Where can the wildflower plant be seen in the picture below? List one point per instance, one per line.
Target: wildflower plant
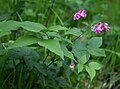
(41, 48)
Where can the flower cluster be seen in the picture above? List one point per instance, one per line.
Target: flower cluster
(80, 14)
(97, 28)
(100, 27)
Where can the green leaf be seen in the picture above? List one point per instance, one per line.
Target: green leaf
(9, 25)
(83, 59)
(3, 33)
(66, 52)
(29, 64)
(23, 52)
(32, 26)
(80, 67)
(53, 46)
(97, 52)
(74, 31)
(79, 49)
(95, 42)
(85, 23)
(57, 28)
(41, 68)
(53, 34)
(24, 41)
(95, 65)
(91, 72)
(67, 40)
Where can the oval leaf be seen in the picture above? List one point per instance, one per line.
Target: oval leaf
(66, 52)
(79, 49)
(91, 72)
(53, 46)
(57, 28)
(74, 31)
(95, 65)
(3, 33)
(95, 42)
(9, 25)
(97, 52)
(83, 59)
(80, 67)
(32, 26)
(24, 41)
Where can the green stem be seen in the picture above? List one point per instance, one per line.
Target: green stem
(20, 82)
(47, 35)
(53, 60)
(19, 17)
(46, 56)
(57, 17)
(49, 13)
(7, 78)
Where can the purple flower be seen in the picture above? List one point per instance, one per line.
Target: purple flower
(80, 14)
(100, 27)
(77, 16)
(106, 26)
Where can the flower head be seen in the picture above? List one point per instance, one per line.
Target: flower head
(80, 14)
(77, 16)
(100, 27)
(72, 66)
(106, 26)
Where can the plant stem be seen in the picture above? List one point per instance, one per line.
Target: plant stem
(49, 13)
(53, 60)
(46, 57)
(19, 17)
